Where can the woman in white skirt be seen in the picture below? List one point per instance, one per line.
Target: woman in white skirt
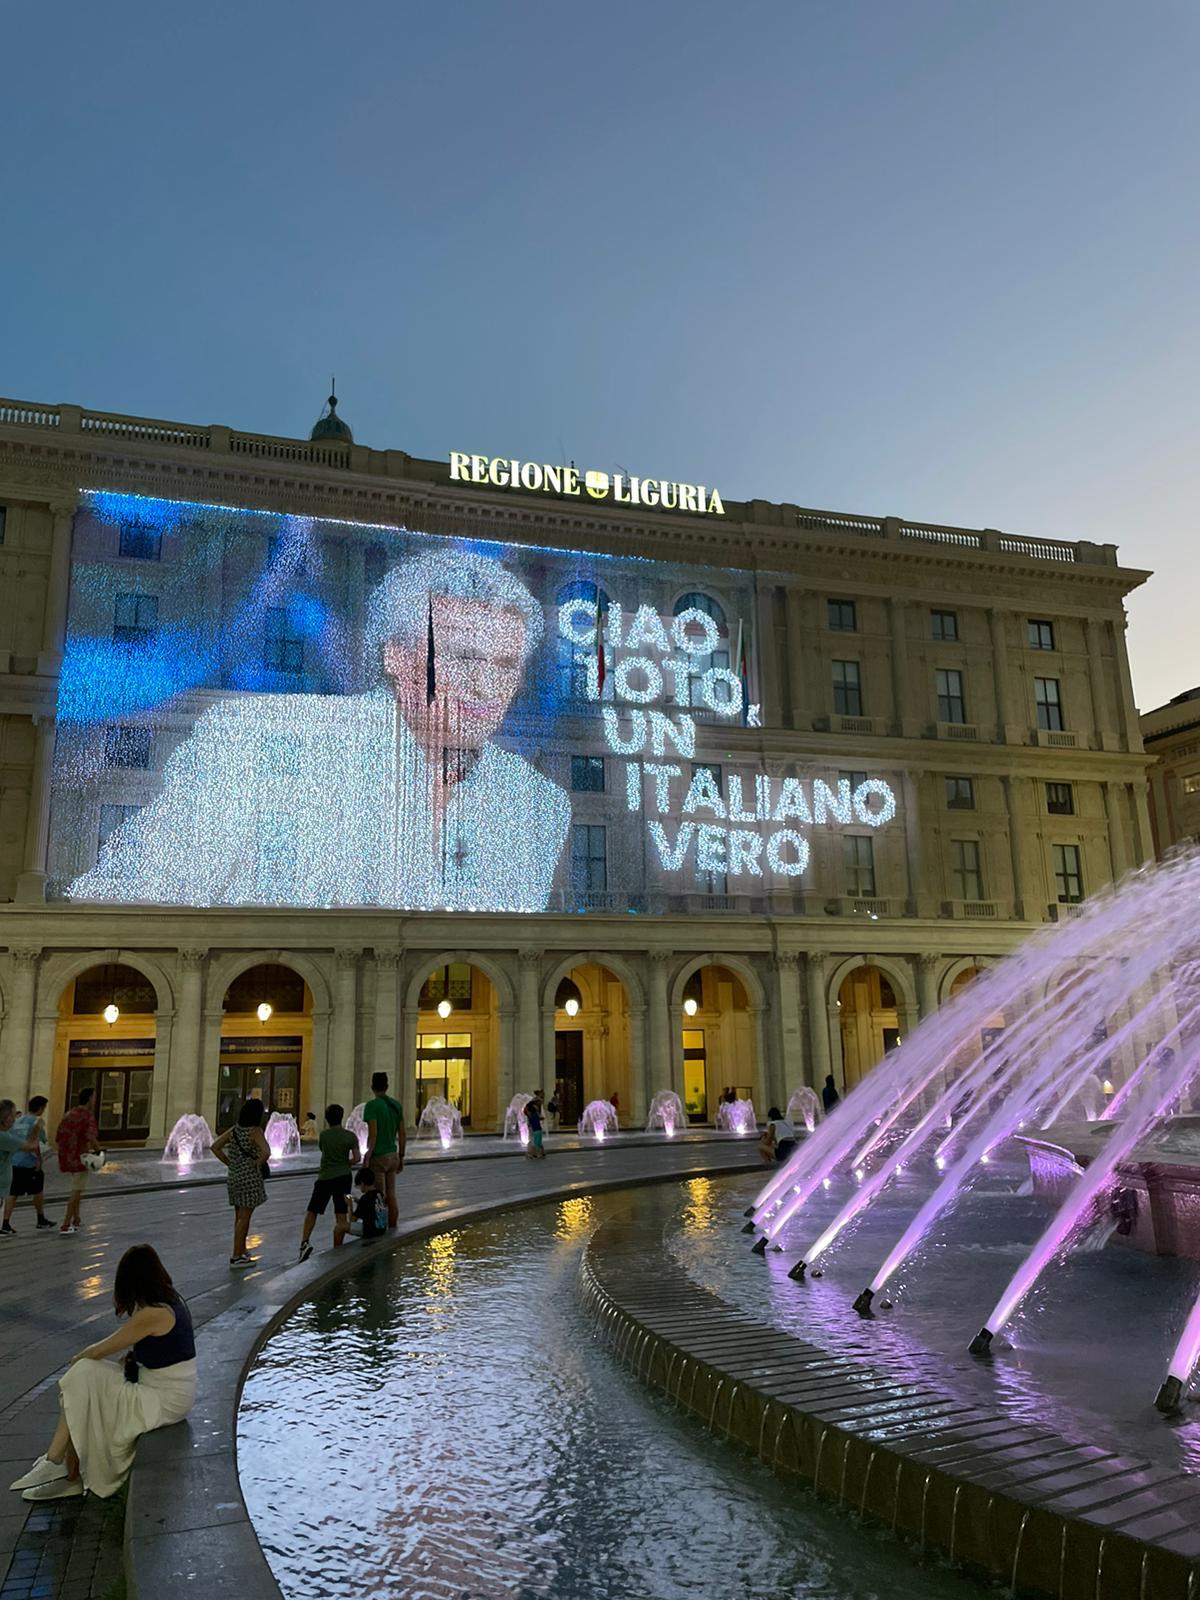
(103, 1408)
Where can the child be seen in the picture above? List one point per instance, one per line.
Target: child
(308, 1128)
(370, 1213)
(339, 1151)
(533, 1116)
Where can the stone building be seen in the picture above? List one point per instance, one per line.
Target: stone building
(978, 677)
(1171, 735)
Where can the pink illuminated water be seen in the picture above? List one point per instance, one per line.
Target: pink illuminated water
(666, 1112)
(1094, 1022)
(599, 1117)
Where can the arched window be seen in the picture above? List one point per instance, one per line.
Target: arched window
(574, 660)
(704, 603)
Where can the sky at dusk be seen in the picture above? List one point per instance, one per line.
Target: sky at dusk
(930, 258)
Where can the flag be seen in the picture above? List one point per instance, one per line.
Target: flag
(430, 669)
(742, 669)
(599, 645)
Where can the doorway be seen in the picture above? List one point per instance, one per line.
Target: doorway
(266, 1069)
(568, 1075)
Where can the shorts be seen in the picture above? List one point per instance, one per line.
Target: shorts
(327, 1189)
(77, 1181)
(27, 1180)
(537, 1139)
(381, 1164)
(784, 1149)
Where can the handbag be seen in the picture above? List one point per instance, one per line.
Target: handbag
(130, 1367)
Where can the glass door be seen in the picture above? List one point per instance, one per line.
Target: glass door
(695, 1075)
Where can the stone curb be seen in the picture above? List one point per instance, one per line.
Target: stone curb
(186, 1521)
(1030, 1510)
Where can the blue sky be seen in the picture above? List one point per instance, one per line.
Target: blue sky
(932, 258)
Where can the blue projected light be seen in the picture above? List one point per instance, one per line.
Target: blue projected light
(343, 714)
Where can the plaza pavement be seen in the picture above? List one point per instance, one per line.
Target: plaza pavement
(186, 1517)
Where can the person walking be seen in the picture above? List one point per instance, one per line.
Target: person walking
(76, 1136)
(829, 1094)
(339, 1151)
(536, 1150)
(28, 1178)
(244, 1150)
(11, 1144)
(105, 1408)
(386, 1140)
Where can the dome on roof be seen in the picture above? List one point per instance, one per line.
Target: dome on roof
(330, 425)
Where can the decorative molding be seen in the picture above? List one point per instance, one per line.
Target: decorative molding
(388, 957)
(25, 956)
(530, 957)
(190, 958)
(347, 957)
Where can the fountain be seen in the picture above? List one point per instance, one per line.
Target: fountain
(736, 1116)
(356, 1124)
(283, 1136)
(1098, 1038)
(805, 1107)
(190, 1141)
(666, 1112)
(514, 1118)
(442, 1117)
(599, 1117)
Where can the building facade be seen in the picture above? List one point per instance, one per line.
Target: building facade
(767, 784)
(1171, 735)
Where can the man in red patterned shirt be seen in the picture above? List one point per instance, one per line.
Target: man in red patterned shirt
(76, 1134)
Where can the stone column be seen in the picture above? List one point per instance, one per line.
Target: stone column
(659, 1066)
(1105, 738)
(18, 1032)
(801, 709)
(385, 1056)
(1016, 843)
(928, 966)
(58, 588)
(345, 1020)
(210, 1059)
(902, 723)
(639, 1088)
(1007, 732)
(918, 904)
(508, 1048)
(767, 1087)
(817, 975)
(790, 1071)
(1143, 836)
(185, 1087)
(31, 884)
(528, 1066)
(768, 658)
(160, 1087)
(1114, 805)
(410, 1017)
(1127, 719)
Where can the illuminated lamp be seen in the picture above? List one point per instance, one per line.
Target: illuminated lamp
(568, 998)
(571, 1006)
(444, 1008)
(264, 1010)
(690, 1006)
(111, 1013)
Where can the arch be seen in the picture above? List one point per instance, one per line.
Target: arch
(506, 994)
(955, 969)
(617, 965)
(751, 982)
(701, 600)
(59, 971)
(581, 589)
(895, 970)
(222, 973)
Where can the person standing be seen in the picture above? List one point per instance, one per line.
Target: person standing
(339, 1151)
(533, 1116)
(244, 1150)
(386, 1139)
(28, 1178)
(76, 1136)
(11, 1144)
(829, 1094)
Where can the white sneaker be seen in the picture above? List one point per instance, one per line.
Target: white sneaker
(60, 1489)
(240, 1263)
(43, 1470)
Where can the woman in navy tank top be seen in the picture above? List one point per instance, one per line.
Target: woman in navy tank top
(104, 1408)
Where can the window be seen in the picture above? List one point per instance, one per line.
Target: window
(128, 747)
(968, 871)
(589, 859)
(943, 624)
(1068, 874)
(135, 618)
(843, 616)
(951, 705)
(452, 982)
(711, 882)
(847, 689)
(1041, 635)
(854, 779)
(283, 644)
(111, 818)
(960, 794)
(1049, 704)
(704, 603)
(576, 664)
(444, 1070)
(860, 866)
(1191, 784)
(587, 774)
(140, 541)
(291, 549)
(375, 564)
(1060, 800)
(3, 520)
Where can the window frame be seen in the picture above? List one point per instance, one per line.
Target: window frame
(282, 643)
(937, 618)
(1054, 810)
(1039, 633)
(136, 631)
(967, 869)
(128, 536)
(125, 743)
(1065, 874)
(850, 688)
(954, 803)
(1050, 717)
(589, 858)
(949, 698)
(590, 765)
(836, 612)
(854, 866)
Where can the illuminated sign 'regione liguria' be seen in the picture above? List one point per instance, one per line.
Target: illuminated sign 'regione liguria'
(504, 472)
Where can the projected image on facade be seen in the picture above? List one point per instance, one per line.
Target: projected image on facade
(258, 709)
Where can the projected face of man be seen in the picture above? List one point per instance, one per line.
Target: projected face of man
(479, 655)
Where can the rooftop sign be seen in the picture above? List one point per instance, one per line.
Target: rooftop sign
(502, 472)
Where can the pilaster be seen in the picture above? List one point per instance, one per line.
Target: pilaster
(345, 1024)
(18, 1030)
(816, 973)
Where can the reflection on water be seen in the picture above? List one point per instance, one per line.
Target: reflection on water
(444, 1424)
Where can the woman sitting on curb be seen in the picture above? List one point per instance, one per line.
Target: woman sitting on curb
(104, 1408)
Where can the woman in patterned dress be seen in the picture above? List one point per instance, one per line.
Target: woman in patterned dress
(245, 1152)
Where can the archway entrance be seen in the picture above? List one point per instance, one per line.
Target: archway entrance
(870, 1021)
(104, 1041)
(719, 1044)
(458, 1042)
(266, 1038)
(591, 1043)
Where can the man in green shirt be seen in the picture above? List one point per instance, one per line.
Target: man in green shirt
(339, 1151)
(384, 1118)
